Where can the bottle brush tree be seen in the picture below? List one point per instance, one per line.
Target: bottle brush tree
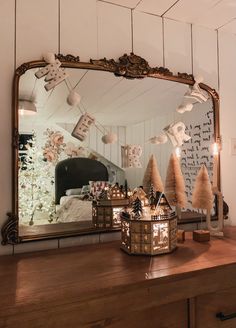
(175, 185)
(202, 193)
(152, 176)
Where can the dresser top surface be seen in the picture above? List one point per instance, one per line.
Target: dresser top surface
(92, 269)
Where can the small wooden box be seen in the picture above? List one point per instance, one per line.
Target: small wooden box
(180, 236)
(201, 235)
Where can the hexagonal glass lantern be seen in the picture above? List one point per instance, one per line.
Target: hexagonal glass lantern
(152, 234)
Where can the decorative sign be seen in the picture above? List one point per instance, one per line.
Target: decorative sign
(195, 93)
(82, 127)
(176, 133)
(54, 74)
(130, 155)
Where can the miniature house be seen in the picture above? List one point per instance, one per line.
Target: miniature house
(153, 234)
(106, 211)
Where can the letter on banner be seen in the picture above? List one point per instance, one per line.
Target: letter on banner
(82, 127)
(176, 133)
(130, 155)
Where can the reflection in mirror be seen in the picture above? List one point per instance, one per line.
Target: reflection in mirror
(59, 173)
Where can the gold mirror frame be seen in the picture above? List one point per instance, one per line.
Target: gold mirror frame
(129, 66)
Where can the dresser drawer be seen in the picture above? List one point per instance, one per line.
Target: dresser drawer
(223, 303)
(173, 315)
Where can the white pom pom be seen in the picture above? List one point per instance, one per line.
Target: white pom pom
(198, 79)
(184, 108)
(188, 107)
(161, 139)
(49, 58)
(73, 98)
(109, 138)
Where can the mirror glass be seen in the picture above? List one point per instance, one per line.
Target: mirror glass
(135, 110)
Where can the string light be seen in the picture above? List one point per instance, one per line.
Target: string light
(178, 152)
(215, 149)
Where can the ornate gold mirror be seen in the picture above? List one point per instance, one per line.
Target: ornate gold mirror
(127, 103)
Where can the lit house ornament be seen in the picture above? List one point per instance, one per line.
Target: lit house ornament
(153, 234)
(106, 210)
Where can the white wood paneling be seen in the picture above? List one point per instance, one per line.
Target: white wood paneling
(190, 10)
(177, 46)
(219, 15)
(227, 44)
(36, 29)
(155, 7)
(100, 145)
(7, 70)
(147, 37)
(93, 137)
(107, 147)
(139, 134)
(124, 3)
(114, 30)
(114, 147)
(78, 28)
(121, 141)
(205, 54)
(230, 27)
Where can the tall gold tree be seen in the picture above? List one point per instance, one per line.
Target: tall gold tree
(152, 176)
(202, 193)
(175, 185)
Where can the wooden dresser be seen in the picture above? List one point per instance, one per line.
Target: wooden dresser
(100, 286)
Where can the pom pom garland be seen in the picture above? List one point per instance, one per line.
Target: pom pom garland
(184, 108)
(109, 138)
(73, 98)
(49, 58)
(161, 139)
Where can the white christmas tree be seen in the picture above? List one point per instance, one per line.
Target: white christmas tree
(36, 182)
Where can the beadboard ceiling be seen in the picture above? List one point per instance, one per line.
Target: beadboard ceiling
(214, 14)
(112, 100)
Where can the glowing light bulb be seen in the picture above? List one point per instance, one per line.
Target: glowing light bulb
(215, 148)
(21, 112)
(178, 152)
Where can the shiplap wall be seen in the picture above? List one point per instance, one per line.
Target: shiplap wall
(96, 29)
(140, 134)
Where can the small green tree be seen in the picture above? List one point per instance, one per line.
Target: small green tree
(137, 208)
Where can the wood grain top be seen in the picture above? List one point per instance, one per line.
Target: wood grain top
(84, 273)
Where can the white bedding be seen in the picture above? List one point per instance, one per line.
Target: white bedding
(73, 209)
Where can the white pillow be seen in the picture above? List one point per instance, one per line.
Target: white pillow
(75, 191)
(85, 190)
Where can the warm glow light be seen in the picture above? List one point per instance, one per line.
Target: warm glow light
(178, 152)
(215, 148)
(21, 112)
